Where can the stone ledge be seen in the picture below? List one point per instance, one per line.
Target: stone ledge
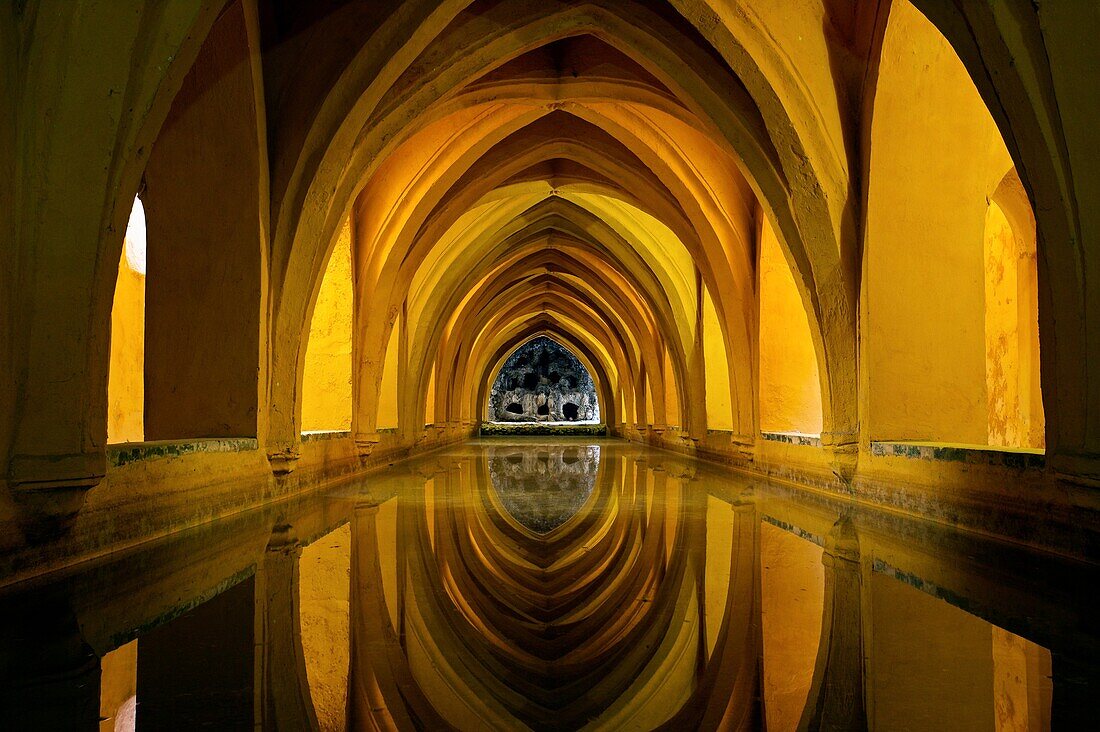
(793, 438)
(1019, 458)
(318, 435)
(489, 429)
(131, 452)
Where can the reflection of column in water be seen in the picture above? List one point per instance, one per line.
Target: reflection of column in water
(836, 694)
(728, 694)
(287, 703)
(381, 691)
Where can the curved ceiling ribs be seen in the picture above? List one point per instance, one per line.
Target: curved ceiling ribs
(588, 170)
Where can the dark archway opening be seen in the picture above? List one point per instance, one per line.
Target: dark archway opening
(542, 381)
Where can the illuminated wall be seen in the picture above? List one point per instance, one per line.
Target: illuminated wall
(719, 408)
(326, 387)
(1011, 324)
(790, 387)
(387, 394)
(204, 310)
(126, 385)
(926, 314)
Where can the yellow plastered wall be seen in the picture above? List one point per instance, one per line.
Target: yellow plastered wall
(790, 387)
(648, 400)
(1011, 335)
(429, 411)
(326, 389)
(936, 157)
(387, 396)
(673, 414)
(719, 411)
(126, 380)
(1002, 333)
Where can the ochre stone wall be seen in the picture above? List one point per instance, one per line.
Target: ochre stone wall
(326, 387)
(790, 387)
(936, 157)
(387, 394)
(719, 396)
(203, 305)
(126, 385)
(1012, 333)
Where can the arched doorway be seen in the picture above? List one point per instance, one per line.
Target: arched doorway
(542, 381)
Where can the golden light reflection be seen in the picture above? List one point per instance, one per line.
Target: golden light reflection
(556, 584)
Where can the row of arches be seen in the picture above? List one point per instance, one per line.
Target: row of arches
(669, 189)
(577, 189)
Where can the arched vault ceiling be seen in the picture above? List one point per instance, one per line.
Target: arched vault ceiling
(614, 154)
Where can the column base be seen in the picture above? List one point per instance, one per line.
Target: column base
(50, 490)
(284, 460)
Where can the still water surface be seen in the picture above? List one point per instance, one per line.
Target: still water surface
(573, 584)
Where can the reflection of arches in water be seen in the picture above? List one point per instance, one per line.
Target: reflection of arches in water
(592, 620)
(599, 622)
(543, 491)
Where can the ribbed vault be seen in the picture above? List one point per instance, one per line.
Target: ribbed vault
(595, 170)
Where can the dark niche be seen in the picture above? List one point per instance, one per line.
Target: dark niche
(543, 382)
